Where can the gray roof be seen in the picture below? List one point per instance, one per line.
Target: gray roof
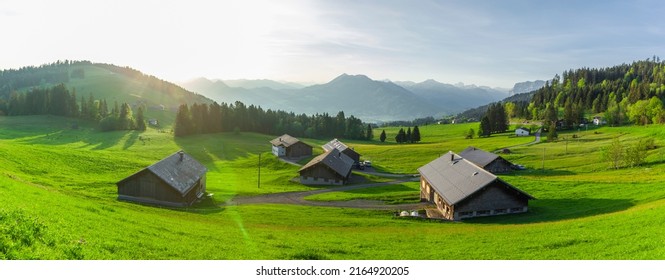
(336, 160)
(478, 156)
(455, 178)
(181, 174)
(285, 140)
(335, 144)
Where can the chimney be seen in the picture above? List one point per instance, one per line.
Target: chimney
(181, 154)
(452, 157)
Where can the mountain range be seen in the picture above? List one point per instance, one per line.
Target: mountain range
(358, 95)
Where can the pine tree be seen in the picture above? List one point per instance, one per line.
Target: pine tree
(84, 108)
(103, 109)
(125, 119)
(400, 136)
(182, 122)
(485, 129)
(140, 121)
(416, 134)
(383, 136)
(73, 106)
(370, 133)
(407, 138)
(552, 135)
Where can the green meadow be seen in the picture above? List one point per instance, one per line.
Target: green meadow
(58, 199)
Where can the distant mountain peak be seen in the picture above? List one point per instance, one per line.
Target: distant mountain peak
(354, 78)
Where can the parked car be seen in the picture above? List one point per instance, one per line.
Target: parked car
(367, 163)
(519, 167)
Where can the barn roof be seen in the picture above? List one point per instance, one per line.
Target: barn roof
(478, 156)
(336, 160)
(455, 178)
(336, 144)
(179, 170)
(285, 140)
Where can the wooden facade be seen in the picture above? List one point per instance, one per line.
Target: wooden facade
(330, 168)
(288, 146)
(499, 166)
(321, 174)
(176, 181)
(486, 160)
(461, 190)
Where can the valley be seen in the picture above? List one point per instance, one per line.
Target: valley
(64, 180)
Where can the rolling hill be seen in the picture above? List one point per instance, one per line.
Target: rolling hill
(103, 81)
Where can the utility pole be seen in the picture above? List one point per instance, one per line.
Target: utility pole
(258, 182)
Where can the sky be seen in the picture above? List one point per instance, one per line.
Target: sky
(490, 43)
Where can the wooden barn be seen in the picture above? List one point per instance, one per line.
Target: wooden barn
(330, 168)
(176, 181)
(488, 161)
(289, 146)
(338, 145)
(461, 189)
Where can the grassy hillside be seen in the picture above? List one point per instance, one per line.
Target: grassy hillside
(58, 200)
(105, 81)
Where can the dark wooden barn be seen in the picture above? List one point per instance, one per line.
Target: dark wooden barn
(289, 146)
(461, 189)
(338, 145)
(488, 161)
(176, 181)
(330, 168)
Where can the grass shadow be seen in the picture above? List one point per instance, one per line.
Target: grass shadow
(549, 210)
(88, 136)
(131, 140)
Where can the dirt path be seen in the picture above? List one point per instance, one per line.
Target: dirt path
(535, 141)
(298, 198)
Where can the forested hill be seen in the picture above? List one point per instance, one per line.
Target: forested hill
(611, 89)
(627, 92)
(111, 82)
(478, 112)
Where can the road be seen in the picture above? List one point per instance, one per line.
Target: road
(298, 198)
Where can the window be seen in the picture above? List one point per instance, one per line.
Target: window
(465, 214)
(500, 211)
(517, 209)
(483, 212)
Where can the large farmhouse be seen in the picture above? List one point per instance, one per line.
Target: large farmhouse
(289, 146)
(330, 168)
(176, 181)
(461, 189)
(338, 145)
(488, 161)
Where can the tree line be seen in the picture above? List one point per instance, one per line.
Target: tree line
(624, 93)
(59, 101)
(495, 120)
(236, 117)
